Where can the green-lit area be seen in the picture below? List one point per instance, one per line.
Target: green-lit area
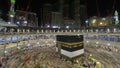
(12, 1)
(11, 13)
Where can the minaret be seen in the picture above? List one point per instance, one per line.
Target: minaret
(77, 13)
(116, 17)
(11, 12)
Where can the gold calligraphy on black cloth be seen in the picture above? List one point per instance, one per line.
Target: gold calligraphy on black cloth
(70, 45)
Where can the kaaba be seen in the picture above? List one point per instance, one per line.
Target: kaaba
(70, 45)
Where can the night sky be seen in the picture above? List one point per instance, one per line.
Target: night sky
(105, 6)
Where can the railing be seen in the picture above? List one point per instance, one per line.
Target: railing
(107, 29)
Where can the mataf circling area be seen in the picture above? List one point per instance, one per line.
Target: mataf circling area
(37, 57)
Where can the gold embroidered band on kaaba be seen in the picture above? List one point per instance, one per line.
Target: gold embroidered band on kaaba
(70, 45)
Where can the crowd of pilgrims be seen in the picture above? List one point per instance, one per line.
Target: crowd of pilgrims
(35, 57)
(104, 37)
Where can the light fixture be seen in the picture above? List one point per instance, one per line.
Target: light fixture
(5, 51)
(11, 15)
(97, 42)
(108, 44)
